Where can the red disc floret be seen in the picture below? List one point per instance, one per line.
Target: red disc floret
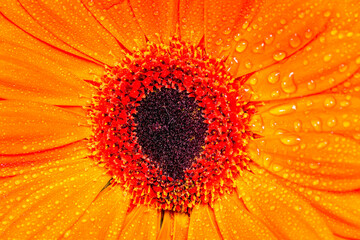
(225, 108)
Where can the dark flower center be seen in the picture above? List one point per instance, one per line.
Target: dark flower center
(170, 129)
(171, 126)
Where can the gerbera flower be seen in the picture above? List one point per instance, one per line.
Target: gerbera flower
(180, 119)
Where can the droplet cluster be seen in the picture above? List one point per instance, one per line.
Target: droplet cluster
(214, 113)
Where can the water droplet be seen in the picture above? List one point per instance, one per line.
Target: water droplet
(327, 14)
(329, 102)
(343, 67)
(274, 77)
(276, 167)
(297, 125)
(67, 234)
(346, 124)
(267, 161)
(311, 85)
(287, 84)
(344, 103)
(237, 37)
(279, 55)
(294, 40)
(316, 123)
(322, 144)
(241, 46)
(259, 47)
(253, 80)
(331, 122)
(314, 165)
(219, 41)
(327, 57)
(275, 94)
(248, 64)
(290, 140)
(308, 33)
(227, 31)
(297, 208)
(283, 109)
(357, 60)
(269, 39)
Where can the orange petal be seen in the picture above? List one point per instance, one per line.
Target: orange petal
(19, 164)
(44, 202)
(339, 210)
(104, 218)
(117, 17)
(283, 211)
(141, 223)
(191, 20)
(166, 231)
(330, 56)
(203, 224)
(174, 226)
(299, 43)
(29, 127)
(224, 22)
(35, 71)
(157, 18)
(235, 222)
(65, 25)
(342, 230)
(312, 141)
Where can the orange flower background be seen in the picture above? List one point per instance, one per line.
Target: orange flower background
(299, 58)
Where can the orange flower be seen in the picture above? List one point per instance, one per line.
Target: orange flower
(295, 175)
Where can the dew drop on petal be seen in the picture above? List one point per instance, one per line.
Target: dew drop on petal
(357, 60)
(314, 165)
(308, 33)
(277, 167)
(279, 55)
(274, 77)
(297, 126)
(287, 84)
(290, 140)
(253, 81)
(227, 31)
(329, 102)
(237, 37)
(283, 109)
(343, 67)
(316, 123)
(241, 46)
(267, 161)
(275, 94)
(344, 103)
(327, 57)
(322, 144)
(259, 47)
(331, 122)
(269, 39)
(311, 85)
(294, 40)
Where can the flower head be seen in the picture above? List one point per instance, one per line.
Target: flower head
(180, 119)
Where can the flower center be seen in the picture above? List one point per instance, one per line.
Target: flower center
(171, 126)
(170, 129)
